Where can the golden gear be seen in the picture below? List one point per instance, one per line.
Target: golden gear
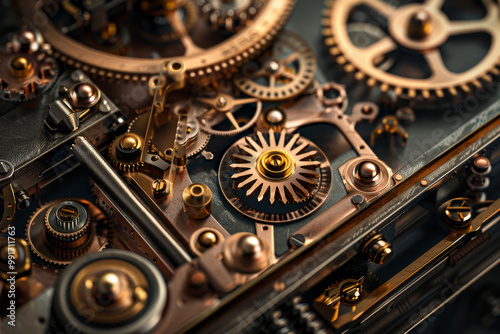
(284, 72)
(26, 70)
(200, 63)
(223, 106)
(58, 254)
(70, 241)
(229, 15)
(422, 29)
(286, 171)
(125, 152)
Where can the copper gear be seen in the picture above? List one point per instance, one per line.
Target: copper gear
(222, 106)
(288, 69)
(121, 164)
(290, 184)
(296, 186)
(57, 257)
(197, 143)
(232, 52)
(426, 41)
(26, 70)
(229, 16)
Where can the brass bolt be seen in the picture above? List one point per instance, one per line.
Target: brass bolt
(159, 187)
(20, 67)
(197, 201)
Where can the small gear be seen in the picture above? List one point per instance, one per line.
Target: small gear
(283, 73)
(292, 173)
(229, 15)
(206, 53)
(421, 39)
(156, 28)
(125, 152)
(26, 70)
(223, 106)
(63, 230)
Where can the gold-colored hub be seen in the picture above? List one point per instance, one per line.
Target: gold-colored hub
(275, 165)
(20, 67)
(129, 142)
(208, 239)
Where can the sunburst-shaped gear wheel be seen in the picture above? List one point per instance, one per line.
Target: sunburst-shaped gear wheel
(275, 177)
(414, 29)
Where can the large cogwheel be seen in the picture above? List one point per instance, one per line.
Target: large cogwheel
(436, 49)
(81, 41)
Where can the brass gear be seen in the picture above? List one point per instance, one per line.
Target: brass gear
(57, 254)
(428, 28)
(292, 170)
(26, 70)
(281, 73)
(278, 167)
(197, 139)
(200, 63)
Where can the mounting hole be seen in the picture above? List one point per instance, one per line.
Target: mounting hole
(176, 66)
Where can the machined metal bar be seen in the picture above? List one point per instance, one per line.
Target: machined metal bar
(124, 198)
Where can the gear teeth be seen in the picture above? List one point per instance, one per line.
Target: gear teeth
(342, 58)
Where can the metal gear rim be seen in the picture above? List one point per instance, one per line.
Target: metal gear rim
(341, 48)
(247, 43)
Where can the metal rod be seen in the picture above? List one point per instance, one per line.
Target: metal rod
(125, 199)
